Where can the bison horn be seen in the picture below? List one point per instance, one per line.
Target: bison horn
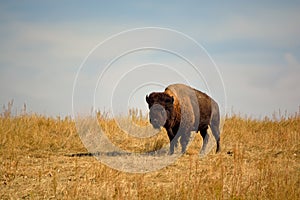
(170, 100)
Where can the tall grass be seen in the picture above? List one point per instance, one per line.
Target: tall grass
(259, 160)
(120, 130)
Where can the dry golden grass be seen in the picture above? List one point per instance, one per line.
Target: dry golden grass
(259, 160)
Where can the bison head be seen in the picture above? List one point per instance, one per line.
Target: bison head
(160, 105)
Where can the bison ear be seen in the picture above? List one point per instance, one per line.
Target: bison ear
(172, 100)
(147, 99)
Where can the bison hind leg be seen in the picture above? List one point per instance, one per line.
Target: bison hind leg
(205, 137)
(214, 125)
(216, 133)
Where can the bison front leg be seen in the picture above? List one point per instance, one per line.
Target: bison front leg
(173, 140)
(184, 141)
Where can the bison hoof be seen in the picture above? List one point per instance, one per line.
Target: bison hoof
(183, 151)
(203, 152)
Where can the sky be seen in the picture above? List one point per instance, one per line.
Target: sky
(255, 46)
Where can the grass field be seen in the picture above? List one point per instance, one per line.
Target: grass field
(260, 159)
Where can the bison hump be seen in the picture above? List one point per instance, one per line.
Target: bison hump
(185, 100)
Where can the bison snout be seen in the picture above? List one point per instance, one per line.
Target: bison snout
(155, 123)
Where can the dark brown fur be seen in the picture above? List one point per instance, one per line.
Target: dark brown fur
(181, 109)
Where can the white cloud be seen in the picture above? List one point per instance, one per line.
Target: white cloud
(39, 60)
(289, 81)
(291, 60)
(260, 90)
(275, 27)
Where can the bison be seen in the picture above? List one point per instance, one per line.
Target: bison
(181, 109)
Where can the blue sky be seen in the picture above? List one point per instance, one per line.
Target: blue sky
(255, 45)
